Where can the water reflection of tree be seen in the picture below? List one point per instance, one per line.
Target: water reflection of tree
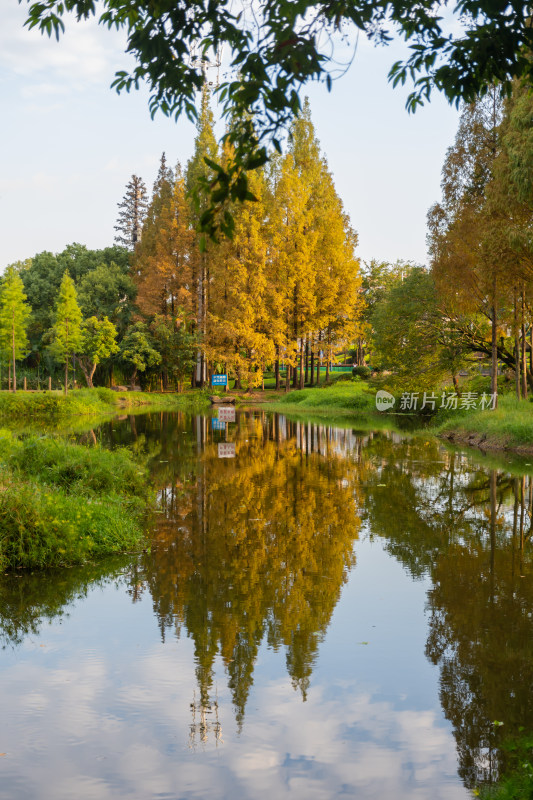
(28, 600)
(254, 548)
(469, 529)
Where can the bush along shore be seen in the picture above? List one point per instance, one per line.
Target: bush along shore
(92, 402)
(64, 504)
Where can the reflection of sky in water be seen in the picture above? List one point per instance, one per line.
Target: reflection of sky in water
(97, 707)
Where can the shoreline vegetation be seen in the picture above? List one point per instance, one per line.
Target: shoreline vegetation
(509, 427)
(63, 503)
(93, 402)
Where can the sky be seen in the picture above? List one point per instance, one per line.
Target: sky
(70, 143)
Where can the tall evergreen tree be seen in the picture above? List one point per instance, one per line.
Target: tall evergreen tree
(199, 174)
(132, 213)
(14, 315)
(163, 257)
(67, 329)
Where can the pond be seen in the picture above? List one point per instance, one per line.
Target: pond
(324, 612)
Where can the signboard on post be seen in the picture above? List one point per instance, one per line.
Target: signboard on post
(219, 380)
(218, 424)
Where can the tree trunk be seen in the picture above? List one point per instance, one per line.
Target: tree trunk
(288, 378)
(66, 361)
(494, 349)
(276, 369)
(516, 348)
(307, 359)
(524, 359)
(455, 384)
(312, 366)
(301, 364)
(13, 354)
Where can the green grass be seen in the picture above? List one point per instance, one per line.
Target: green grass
(511, 424)
(90, 402)
(63, 504)
(343, 396)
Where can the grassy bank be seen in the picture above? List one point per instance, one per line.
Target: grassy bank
(91, 402)
(63, 504)
(354, 398)
(508, 427)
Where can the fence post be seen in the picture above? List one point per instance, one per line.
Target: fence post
(25, 384)
(49, 383)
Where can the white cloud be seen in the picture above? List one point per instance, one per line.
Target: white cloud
(101, 734)
(85, 54)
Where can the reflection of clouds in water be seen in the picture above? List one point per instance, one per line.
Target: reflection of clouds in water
(102, 733)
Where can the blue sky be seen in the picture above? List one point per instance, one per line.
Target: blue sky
(70, 144)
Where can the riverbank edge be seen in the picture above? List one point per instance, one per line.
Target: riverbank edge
(99, 402)
(484, 442)
(508, 429)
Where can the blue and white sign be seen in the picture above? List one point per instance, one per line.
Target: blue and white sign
(218, 424)
(219, 380)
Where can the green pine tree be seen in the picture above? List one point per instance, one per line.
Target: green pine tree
(14, 315)
(67, 328)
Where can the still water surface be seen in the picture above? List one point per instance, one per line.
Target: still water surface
(324, 613)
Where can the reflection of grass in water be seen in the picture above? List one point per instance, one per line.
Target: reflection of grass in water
(505, 462)
(27, 600)
(517, 783)
(62, 503)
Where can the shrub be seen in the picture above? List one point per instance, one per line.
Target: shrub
(362, 371)
(43, 526)
(62, 503)
(74, 467)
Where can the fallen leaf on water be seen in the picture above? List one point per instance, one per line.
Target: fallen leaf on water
(3, 754)
(382, 484)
